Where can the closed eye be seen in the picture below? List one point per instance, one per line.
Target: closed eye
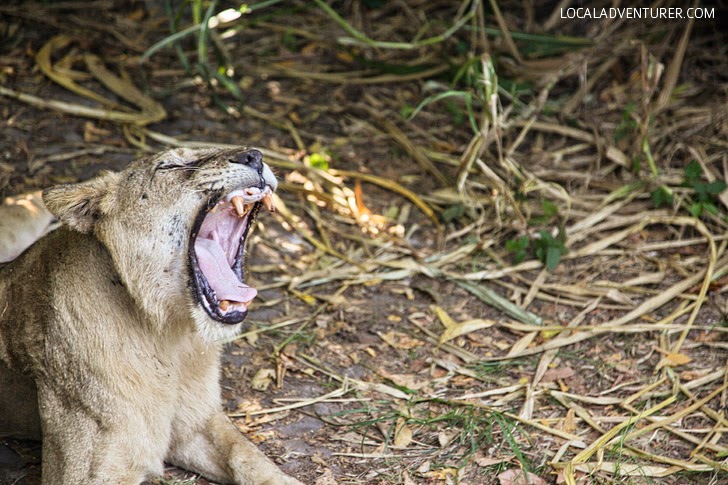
(176, 164)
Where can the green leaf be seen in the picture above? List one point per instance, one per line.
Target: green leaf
(715, 187)
(518, 248)
(710, 207)
(319, 160)
(662, 195)
(696, 209)
(406, 111)
(453, 212)
(549, 249)
(693, 172)
(553, 256)
(549, 208)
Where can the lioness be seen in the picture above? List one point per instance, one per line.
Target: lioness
(110, 325)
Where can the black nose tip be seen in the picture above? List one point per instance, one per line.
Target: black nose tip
(250, 158)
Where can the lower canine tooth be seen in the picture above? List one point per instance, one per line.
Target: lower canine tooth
(224, 305)
(239, 205)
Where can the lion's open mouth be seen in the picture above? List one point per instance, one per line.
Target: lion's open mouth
(216, 253)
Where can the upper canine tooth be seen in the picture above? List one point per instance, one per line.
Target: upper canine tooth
(239, 205)
(268, 202)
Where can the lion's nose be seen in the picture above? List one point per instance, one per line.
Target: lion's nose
(250, 158)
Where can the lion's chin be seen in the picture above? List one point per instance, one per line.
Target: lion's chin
(210, 329)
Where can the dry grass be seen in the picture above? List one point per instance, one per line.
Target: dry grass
(602, 355)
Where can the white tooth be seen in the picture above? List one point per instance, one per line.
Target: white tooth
(224, 305)
(268, 202)
(237, 201)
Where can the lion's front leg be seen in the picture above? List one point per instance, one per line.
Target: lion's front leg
(220, 452)
(79, 447)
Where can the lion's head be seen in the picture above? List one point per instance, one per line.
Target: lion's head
(175, 225)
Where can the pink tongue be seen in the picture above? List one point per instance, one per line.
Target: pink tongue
(223, 281)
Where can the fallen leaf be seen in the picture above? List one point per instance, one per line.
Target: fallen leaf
(400, 340)
(516, 476)
(262, 379)
(678, 359)
(672, 359)
(319, 459)
(406, 480)
(326, 478)
(402, 434)
(487, 461)
(442, 315)
(441, 473)
(569, 423)
(445, 438)
(465, 327)
(522, 343)
(553, 375)
(408, 381)
(304, 297)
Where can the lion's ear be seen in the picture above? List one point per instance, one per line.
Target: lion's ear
(80, 205)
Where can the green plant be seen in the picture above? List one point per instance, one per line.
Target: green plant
(550, 249)
(662, 195)
(704, 193)
(518, 248)
(628, 125)
(547, 248)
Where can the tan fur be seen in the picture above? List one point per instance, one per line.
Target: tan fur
(103, 350)
(23, 220)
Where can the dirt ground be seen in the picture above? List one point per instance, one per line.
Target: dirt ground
(360, 285)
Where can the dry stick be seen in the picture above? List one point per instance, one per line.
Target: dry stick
(393, 187)
(604, 68)
(646, 306)
(283, 211)
(462, 354)
(719, 419)
(586, 417)
(506, 33)
(353, 77)
(712, 464)
(662, 423)
(77, 109)
(673, 71)
(548, 357)
(360, 385)
(704, 288)
(403, 140)
(681, 434)
(535, 287)
(607, 437)
(612, 152)
(151, 109)
(492, 298)
(43, 60)
(574, 231)
(307, 402)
